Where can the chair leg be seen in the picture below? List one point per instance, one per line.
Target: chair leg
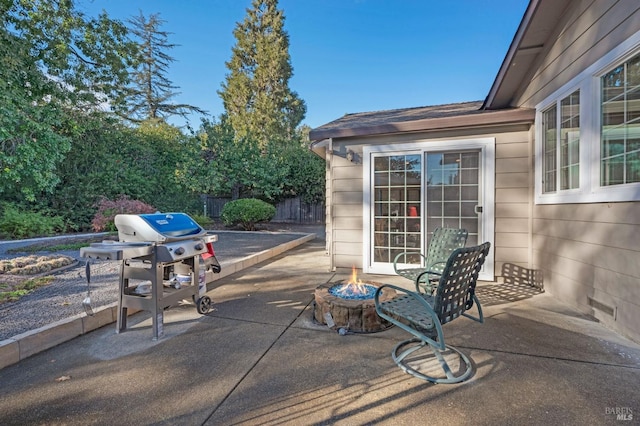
(410, 366)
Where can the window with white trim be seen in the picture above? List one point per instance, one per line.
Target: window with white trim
(561, 144)
(588, 133)
(620, 124)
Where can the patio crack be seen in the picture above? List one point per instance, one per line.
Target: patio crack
(253, 366)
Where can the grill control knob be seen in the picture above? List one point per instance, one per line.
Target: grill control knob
(199, 246)
(179, 251)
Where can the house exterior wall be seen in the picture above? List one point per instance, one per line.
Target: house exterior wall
(589, 253)
(512, 193)
(587, 32)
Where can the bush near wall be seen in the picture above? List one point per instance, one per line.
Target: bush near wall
(247, 212)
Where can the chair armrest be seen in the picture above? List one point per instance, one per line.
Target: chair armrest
(426, 272)
(395, 260)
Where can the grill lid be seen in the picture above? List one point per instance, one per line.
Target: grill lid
(157, 227)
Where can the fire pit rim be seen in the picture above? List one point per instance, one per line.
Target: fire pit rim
(370, 321)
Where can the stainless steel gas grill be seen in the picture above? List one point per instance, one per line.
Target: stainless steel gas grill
(161, 265)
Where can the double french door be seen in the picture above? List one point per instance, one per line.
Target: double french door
(413, 193)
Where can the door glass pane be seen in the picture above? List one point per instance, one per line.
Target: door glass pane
(397, 205)
(452, 192)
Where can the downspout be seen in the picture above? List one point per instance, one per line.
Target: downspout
(329, 235)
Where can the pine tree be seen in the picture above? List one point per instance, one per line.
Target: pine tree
(256, 93)
(151, 90)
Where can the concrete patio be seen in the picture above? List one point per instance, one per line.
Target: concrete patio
(259, 358)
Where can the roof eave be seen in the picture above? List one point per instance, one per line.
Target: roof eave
(511, 53)
(319, 147)
(485, 118)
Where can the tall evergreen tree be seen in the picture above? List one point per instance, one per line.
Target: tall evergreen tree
(151, 90)
(256, 93)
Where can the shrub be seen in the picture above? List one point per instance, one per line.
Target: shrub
(108, 209)
(17, 223)
(247, 212)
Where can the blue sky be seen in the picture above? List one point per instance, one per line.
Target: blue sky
(347, 55)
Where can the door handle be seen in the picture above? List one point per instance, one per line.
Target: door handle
(477, 209)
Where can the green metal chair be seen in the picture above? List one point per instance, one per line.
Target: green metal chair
(443, 242)
(424, 315)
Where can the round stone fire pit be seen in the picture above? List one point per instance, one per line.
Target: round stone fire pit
(353, 312)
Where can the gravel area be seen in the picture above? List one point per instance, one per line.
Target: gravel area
(63, 297)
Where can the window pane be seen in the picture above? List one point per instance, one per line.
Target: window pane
(549, 165)
(381, 178)
(633, 105)
(612, 84)
(613, 171)
(633, 72)
(381, 163)
(620, 124)
(633, 167)
(570, 141)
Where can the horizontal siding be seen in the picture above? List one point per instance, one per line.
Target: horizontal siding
(348, 261)
(619, 213)
(603, 235)
(512, 148)
(512, 225)
(512, 255)
(347, 210)
(512, 195)
(512, 180)
(512, 164)
(350, 172)
(620, 261)
(574, 281)
(349, 198)
(349, 249)
(346, 232)
(592, 250)
(512, 210)
(511, 239)
(591, 30)
(348, 236)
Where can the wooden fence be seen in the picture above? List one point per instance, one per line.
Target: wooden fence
(292, 210)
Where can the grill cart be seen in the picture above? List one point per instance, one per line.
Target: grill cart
(164, 259)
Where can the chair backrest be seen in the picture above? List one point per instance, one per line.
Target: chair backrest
(443, 242)
(457, 284)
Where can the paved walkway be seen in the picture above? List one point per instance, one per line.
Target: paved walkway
(54, 313)
(258, 358)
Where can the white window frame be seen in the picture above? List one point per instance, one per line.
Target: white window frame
(568, 91)
(588, 82)
(486, 146)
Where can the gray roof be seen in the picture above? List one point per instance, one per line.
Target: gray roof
(415, 119)
(376, 118)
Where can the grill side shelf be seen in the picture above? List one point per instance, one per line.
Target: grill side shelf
(115, 251)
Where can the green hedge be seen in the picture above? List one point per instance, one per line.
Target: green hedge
(246, 213)
(17, 223)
